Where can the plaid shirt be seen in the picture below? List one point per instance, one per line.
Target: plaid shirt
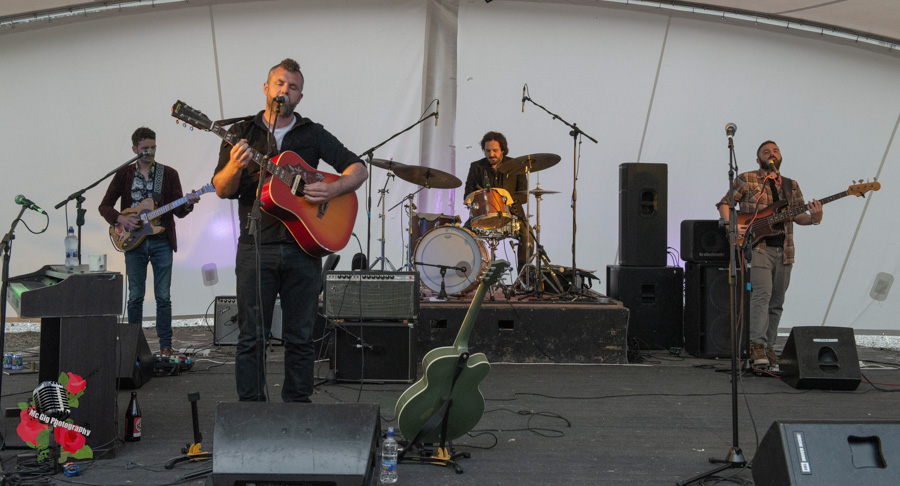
(747, 189)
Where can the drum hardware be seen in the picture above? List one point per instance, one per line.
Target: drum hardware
(389, 165)
(524, 275)
(442, 295)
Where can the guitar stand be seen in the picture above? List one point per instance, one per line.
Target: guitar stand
(445, 453)
(193, 452)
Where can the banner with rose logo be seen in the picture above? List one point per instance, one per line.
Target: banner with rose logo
(34, 427)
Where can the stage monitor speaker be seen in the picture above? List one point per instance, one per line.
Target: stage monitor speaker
(654, 298)
(707, 312)
(831, 453)
(703, 241)
(820, 357)
(370, 295)
(375, 352)
(134, 357)
(642, 214)
(226, 321)
(295, 443)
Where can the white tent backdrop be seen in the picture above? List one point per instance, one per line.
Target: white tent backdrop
(648, 87)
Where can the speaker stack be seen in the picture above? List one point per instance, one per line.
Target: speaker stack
(374, 315)
(650, 290)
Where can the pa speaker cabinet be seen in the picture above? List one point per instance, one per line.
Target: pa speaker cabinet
(295, 443)
(365, 296)
(707, 312)
(642, 214)
(134, 357)
(703, 241)
(819, 357)
(380, 351)
(226, 321)
(654, 297)
(831, 453)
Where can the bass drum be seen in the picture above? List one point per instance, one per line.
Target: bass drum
(455, 247)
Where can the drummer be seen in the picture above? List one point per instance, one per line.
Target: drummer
(483, 173)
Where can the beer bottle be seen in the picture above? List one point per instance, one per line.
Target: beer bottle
(133, 420)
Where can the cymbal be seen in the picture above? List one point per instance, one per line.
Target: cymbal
(386, 164)
(538, 192)
(427, 176)
(532, 162)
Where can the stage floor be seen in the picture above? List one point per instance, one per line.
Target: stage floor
(657, 422)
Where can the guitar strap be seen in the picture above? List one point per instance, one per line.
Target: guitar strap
(158, 182)
(788, 186)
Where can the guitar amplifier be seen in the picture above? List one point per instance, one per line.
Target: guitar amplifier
(226, 325)
(367, 296)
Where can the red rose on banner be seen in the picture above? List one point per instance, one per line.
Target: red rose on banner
(69, 440)
(29, 427)
(75, 384)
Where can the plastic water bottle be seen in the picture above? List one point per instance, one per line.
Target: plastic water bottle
(389, 458)
(71, 250)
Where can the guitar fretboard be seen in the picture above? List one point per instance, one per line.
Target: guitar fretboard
(794, 211)
(282, 173)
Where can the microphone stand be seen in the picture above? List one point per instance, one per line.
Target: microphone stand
(369, 154)
(442, 295)
(6, 249)
(735, 457)
(575, 132)
(79, 200)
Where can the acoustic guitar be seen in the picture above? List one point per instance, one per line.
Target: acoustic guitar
(125, 240)
(446, 375)
(319, 229)
(757, 226)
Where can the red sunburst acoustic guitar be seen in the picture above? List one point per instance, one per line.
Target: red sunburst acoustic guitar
(319, 229)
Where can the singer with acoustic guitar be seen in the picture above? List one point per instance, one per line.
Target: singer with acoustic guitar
(296, 200)
(758, 193)
(147, 182)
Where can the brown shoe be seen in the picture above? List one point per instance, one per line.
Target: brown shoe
(167, 352)
(758, 355)
(772, 357)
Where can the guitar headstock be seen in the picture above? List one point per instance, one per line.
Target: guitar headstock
(862, 189)
(191, 116)
(493, 273)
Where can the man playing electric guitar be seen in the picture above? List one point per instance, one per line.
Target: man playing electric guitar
(131, 185)
(773, 255)
(286, 269)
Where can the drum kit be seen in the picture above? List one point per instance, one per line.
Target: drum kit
(449, 257)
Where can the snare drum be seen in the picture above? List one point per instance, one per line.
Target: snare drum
(422, 223)
(451, 246)
(489, 208)
(508, 230)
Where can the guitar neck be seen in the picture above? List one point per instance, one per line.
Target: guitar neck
(794, 211)
(462, 338)
(168, 207)
(279, 172)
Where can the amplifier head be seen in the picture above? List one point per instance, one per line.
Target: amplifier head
(372, 295)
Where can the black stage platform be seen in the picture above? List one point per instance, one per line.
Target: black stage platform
(564, 408)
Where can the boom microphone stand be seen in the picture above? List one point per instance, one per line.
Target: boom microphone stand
(735, 457)
(575, 132)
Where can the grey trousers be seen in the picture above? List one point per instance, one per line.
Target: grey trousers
(769, 280)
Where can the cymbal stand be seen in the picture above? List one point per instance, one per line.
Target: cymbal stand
(383, 191)
(575, 133)
(409, 249)
(524, 276)
(540, 280)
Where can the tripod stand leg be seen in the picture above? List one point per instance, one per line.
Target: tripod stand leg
(735, 460)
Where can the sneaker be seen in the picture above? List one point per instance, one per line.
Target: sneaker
(167, 352)
(758, 355)
(772, 357)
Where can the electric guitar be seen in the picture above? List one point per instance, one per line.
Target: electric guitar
(444, 376)
(319, 229)
(125, 240)
(761, 225)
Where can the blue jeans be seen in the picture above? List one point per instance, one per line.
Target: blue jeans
(769, 280)
(158, 253)
(288, 272)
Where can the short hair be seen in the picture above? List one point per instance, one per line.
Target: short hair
(495, 137)
(142, 133)
(290, 66)
(763, 145)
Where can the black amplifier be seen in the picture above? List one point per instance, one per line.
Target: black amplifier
(367, 295)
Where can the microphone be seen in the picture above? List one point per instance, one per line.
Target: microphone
(51, 400)
(282, 98)
(437, 112)
(146, 153)
(770, 164)
(730, 128)
(523, 97)
(24, 201)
